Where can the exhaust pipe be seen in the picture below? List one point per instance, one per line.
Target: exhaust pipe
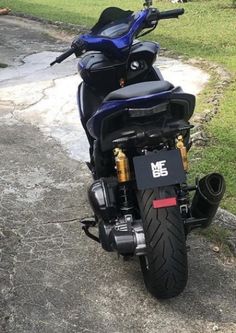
(209, 193)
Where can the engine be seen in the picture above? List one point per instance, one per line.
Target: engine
(118, 231)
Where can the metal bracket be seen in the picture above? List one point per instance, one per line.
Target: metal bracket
(184, 209)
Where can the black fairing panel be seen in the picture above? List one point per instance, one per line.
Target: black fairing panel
(145, 54)
(183, 101)
(88, 102)
(144, 50)
(104, 74)
(101, 73)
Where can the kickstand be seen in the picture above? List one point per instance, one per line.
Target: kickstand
(87, 223)
(88, 233)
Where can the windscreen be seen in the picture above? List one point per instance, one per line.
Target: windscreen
(113, 22)
(116, 28)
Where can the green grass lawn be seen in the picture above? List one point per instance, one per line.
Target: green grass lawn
(207, 30)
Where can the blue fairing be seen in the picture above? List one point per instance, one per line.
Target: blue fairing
(118, 46)
(110, 107)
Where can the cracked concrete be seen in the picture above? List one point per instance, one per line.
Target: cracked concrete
(53, 278)
(46, 97)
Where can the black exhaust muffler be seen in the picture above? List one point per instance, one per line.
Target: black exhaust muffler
(209, 193)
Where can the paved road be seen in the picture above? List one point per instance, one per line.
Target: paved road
(52, 278)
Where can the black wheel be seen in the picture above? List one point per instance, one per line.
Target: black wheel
(165, 268)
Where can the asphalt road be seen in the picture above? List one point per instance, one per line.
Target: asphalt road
(52, 278)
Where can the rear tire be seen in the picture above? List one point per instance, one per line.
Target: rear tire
(165, 268)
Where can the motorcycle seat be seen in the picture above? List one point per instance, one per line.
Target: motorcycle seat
(139, 90)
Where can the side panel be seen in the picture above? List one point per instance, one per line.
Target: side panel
(157, 74)
(88, 103)
(142, 57)
(100, 73)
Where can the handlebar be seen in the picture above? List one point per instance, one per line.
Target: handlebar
(168, 14)
(154, 16)
(79, 46)
(63, 56)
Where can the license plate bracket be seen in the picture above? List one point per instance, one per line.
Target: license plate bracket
(159, 169)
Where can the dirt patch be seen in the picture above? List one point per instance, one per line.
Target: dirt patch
(222, 79)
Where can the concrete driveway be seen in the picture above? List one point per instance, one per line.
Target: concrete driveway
(52, 278)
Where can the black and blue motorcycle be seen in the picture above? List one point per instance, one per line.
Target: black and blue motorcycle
(138, 129)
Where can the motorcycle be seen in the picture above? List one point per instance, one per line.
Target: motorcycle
(138, 129)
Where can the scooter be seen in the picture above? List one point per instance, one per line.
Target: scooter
(138, 129)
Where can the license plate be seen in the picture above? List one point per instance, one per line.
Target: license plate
(159, 169)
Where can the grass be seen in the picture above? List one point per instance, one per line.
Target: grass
(207, 31)
(220, 237)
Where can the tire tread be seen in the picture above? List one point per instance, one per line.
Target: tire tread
(167, 272)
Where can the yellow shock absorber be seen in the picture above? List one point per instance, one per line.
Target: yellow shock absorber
(183, 151)
(122, 165)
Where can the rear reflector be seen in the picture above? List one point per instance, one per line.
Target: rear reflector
(161, 203)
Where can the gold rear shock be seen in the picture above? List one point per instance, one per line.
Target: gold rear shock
(183, 151)
(122, 165)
